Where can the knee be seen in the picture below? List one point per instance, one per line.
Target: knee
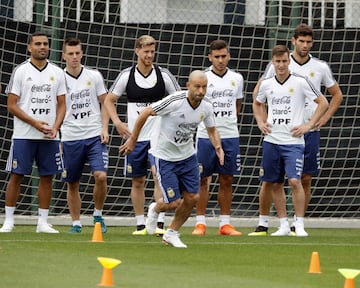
(191, 198)
(100, 176)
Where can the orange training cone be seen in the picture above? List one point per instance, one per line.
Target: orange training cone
(349, 283)
(349, 275)
(314, 263)
(108, 264)
(97, 234)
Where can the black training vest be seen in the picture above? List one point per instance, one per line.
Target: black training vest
(145, 95)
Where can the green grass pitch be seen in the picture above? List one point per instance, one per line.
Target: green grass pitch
(28, 259)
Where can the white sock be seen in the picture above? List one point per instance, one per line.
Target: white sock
(284, 222)
(224, 219)
(140, 220)
(200, 219)
(76, 223)
(300, 220)
(264, 220)
(43, 215)
(161, 217)
(171, 232)
(9, 213)
(97, 212)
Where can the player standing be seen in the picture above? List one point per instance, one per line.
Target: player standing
(84, 132)
(283, 125)
(36, 98)
(319, 73)
(225, 92)
(143, 84)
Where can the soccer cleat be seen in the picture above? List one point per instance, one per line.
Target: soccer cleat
(7, 227)
(259, 231)
(200, 229)
(172, 238)
(159, 231)
(300, 231)
(229, 230)
(151, 220)
(100, 219)
(282, 231)
(75, 229)
(45, 228)
(140, 232)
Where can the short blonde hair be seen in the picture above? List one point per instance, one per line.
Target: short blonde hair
(145, 40)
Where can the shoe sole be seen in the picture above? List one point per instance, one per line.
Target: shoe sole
(169, 244)
(258, 234)
(6, 231)
(231, 234)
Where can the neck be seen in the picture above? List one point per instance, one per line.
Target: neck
(74, 71)
(299, 58)
(283, 77)
(144, 69)
(219, 72)
(38, 63)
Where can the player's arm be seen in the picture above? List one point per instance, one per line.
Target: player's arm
(60, 115)
(320, 110)
(129, 145)
(15, 110)
(238, 109)
(109, 104)
(215, 140)
(104, 120)
(336, 99)
(260, 112)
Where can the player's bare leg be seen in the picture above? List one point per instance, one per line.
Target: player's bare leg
(204, 195)
(225, 200)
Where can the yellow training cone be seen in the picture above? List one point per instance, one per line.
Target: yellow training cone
(108, 264)
(349, 275)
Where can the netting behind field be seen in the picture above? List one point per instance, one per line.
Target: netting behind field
(184, 29)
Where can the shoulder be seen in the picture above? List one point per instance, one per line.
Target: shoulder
(316, 62)
(55, 67)
(164, 71)
(92, 71)
(22, 66)
(235, 74)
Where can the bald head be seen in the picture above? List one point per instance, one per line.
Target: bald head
(197, 75)
(197, 86)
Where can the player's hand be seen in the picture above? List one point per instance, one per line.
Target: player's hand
(265, 127)
(123, 130)
(300, 130)
(221, 155)
(44, 127)
(127, 147)
(104, 136)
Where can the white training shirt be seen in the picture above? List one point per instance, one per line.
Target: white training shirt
(222, 92)
(83, 112)
(286, 103)
(316, 70)
(179, 121)
(133, 109)
(37, 91)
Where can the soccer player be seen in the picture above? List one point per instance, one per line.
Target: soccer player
(225, 92)
(84, 133)
(283, 125)
(36, 99)
(175, 155)
(143, 84)
(320, 74)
